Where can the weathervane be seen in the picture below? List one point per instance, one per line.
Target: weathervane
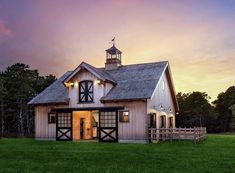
(113, 41)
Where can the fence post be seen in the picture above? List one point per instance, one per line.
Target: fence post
(148, 135)
(179, 132)
(171, 130)
(194, 135)
(200, 134)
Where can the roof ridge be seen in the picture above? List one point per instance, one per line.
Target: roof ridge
(147, 63)
(156, 62)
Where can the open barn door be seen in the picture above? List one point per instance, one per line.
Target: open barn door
(108, 129)
(64, 126)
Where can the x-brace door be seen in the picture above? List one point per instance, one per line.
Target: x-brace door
(108, 131)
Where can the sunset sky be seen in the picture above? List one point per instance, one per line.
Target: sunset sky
(197, 37)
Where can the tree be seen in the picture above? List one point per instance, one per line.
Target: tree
(232, 108)
(224, 104)
(43, 81)
(2, 95)
(22, 84)
(195, 110)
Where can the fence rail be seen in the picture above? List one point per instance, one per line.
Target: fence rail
(195, 134)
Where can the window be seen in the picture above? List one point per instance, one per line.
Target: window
(51, 118)
(108, 119)
(124, 116)
(163, 121)
(64, 120)
(152, 120)
(170, 122)
(85, 91)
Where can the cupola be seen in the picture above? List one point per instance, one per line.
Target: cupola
(113, 58)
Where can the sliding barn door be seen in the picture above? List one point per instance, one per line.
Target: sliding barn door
(108, 129)
(64, 126)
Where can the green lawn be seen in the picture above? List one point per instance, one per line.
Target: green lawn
(216, 154)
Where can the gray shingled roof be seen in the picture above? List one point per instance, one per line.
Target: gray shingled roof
(135, 81)
(132, 82)
(55, 93)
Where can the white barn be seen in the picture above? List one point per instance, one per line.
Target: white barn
(117, 103)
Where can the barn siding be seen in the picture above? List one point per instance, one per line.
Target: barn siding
(43, 130)
(162, 97)
(136, 129)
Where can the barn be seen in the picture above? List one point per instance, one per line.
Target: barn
(114, 103)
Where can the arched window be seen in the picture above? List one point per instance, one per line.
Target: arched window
(86, 91)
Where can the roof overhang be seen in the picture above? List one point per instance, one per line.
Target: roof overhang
(123, 100)
(49, 103)
(172, 88)
(70, 109)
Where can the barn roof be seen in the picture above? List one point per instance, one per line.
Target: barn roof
(55, 93)
(131, 82)
(135, 81)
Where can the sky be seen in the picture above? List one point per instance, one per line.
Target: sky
(197, 37)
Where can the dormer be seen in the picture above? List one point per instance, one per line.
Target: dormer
(113, 58)
(86, 85)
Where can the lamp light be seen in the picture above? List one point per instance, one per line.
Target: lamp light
(169, 109)
(69, 84)
(99, 81)
(158, 107)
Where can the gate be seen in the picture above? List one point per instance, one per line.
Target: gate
(108, 129)
(64, 126)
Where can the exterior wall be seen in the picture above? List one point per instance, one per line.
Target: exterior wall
(136, 128)
(43, 130)
(99, 90)
(162, 97)
(167, 115)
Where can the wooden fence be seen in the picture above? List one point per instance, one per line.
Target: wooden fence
(195, 134)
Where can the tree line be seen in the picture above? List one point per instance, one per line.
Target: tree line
(19, 84)
(196, 110)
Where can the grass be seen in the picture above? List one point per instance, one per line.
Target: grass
(216, 154)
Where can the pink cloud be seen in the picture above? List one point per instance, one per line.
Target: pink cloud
(5, 32)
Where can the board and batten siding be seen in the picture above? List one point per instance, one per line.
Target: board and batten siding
(44, 130)
(136, 128)
(162, 96)
(99, 90)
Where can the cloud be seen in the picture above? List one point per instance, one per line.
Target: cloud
(5, 32)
